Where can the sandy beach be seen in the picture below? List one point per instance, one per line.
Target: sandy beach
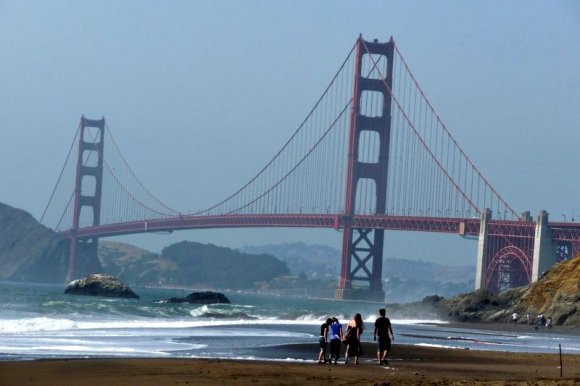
(409, 365)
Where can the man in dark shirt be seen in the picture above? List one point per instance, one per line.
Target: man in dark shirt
(384, 331)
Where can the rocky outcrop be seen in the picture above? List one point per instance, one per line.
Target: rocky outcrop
(556, 294)
(206, 297)
(482, 306)
(100, 285)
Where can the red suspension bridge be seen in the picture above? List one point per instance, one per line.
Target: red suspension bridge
(371, 155)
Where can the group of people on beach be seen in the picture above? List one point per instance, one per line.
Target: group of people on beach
(541, 323)
(331, 332)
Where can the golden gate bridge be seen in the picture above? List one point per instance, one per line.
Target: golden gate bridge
(371, 155)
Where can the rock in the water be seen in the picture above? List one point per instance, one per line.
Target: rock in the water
(206, 297)
(100, 284)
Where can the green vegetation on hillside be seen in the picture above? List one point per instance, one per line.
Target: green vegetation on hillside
(190, 264)
(221, 267)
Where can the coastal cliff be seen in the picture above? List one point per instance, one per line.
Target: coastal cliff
(29, 251)
(556, 295)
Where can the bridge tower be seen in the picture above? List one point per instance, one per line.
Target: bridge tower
(362, 249)
(83, 258)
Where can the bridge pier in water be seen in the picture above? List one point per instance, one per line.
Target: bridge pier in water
(83, 258)
(362, 249)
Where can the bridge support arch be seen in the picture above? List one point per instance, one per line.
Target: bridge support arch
(504, 255)
(83, 258)
(509, 267)
(507, 260)
(362, 249)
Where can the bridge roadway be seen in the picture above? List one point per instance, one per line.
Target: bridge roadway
(465, 227)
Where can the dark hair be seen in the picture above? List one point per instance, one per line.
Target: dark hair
(329, 321)
(358, 320)
(382, 312)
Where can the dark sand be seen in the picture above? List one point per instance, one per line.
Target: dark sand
(409, 365)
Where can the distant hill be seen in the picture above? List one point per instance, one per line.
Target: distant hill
(28, 250)
(190, 264)
(126, 262)
(316, 261)
(405, 280)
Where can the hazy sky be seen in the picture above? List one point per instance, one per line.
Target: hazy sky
(200, 95)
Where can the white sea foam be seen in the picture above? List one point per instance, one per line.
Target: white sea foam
(437, 345)
(199, 311)
(136, 327)
(417, 321)
(35, 324)
(47, 324)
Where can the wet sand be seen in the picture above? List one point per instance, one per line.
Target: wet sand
(409, 365)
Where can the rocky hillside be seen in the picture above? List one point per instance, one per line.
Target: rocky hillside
(28, 250)
(556, 294)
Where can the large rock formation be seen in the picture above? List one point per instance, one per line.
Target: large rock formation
(28, 250)
(556, 294)
(206, 297)
(100, 285)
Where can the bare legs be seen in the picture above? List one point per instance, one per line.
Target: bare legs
(382, 359)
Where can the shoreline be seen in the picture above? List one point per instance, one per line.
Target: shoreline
(409, 365)
(508, 327)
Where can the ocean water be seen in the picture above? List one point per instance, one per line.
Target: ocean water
(39, 321)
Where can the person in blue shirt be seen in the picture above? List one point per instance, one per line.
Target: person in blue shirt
(335, 339)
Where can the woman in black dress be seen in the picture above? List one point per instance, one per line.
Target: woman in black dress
(354, 331)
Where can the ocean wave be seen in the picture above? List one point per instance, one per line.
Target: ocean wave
(233, 315)
(116, 326)
(309, 317)
(37, 324)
